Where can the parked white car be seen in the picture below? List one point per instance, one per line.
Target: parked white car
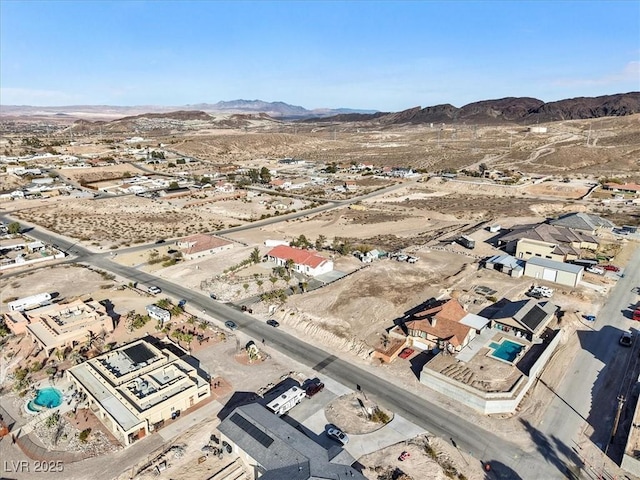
(596, 270)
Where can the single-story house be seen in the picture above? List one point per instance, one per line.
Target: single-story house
(272, 449)
(583, 222)
(201, 245)
(506, 264)
(524, 318)
(304, 261)
(626, 187)
(563, 273)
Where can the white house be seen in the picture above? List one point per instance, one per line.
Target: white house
(304, 261)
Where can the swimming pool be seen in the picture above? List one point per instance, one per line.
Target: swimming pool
(47, 397)
(506, 350)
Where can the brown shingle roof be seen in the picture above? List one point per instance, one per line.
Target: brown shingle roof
(447, 326)
(201, 242)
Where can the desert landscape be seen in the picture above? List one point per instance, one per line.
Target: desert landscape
(341, 189)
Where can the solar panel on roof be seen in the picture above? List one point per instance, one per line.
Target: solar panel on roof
(138, 353)
(534, 317)
(248, 427)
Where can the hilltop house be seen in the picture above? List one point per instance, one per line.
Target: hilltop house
(304, 261)
(438, 325)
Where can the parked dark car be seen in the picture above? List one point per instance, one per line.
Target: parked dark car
(314, 388)
(273, 323)
(182, 303)
(231, 325)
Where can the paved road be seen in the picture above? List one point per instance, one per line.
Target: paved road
(592, 382)
(469, 437)
(553, 439)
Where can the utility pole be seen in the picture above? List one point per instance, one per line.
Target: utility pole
(621, 401)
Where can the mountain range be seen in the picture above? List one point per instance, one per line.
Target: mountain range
(523, 110)
(279, 110)
(505, 110)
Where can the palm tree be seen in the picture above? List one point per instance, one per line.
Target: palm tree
(255, 256)
(289, 264)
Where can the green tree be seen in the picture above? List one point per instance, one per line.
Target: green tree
(174, 186)
(254, 175)
(289, 264)
(14, 227)
(265, 175)
(255, 256)
(320, 241)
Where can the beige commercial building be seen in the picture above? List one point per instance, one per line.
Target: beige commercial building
(134, 389)
(62, 325)
(558, 272)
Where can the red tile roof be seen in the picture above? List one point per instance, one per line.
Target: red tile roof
(299, 256)
(632, 187)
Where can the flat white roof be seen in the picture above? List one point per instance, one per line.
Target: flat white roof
(563, 267)
(474, 321)
(116, 408)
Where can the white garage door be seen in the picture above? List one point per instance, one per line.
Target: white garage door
(548, 274)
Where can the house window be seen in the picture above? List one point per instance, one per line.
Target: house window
(548, 256)
(538, 255)
(528, 253)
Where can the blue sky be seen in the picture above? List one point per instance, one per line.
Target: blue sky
(380, 55)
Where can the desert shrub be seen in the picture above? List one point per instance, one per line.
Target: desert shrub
(84, 434)
(430, 451)
(379, 416)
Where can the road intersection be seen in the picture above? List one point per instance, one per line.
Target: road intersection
(551, 454)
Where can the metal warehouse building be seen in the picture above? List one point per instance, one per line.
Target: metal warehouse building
(552, 271)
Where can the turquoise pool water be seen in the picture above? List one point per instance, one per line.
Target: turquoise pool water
(48, 397)
(506, 350)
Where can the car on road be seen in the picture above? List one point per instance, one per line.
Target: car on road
(160, 240)
(338, 435)
(213, 296)
(231, 325)
(182, 303)
(314, 388)
(626, 340)
(611, 268)
(273, 323)
(155, 290)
